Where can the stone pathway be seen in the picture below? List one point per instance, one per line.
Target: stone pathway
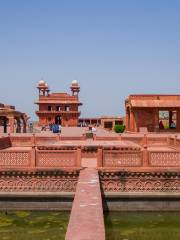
(86, 220)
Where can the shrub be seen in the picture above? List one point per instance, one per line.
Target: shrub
(119, 128)
(89, 135)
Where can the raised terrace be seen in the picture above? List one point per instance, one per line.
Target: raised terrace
(130, 171)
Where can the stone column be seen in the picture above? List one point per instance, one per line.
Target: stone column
(178, 120)
(18, 126)
(11, 124)
(24, 125)
(114, 123)
(5, 125)
(145, 156)
(127, 120)
(132, 121)
(33, 157)
(100, 157)
(156, 119)
(170, 118)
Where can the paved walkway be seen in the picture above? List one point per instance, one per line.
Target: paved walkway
(86, 220)
(79, 131)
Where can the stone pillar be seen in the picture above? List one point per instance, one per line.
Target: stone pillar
(100, 157)
(155, 119)
(11, 124)
(5, 125)
(132, 121)
(114, 123)
(33, 157)
(24, 126)
(145, 140)
(178, 120)
(127, 120)
(18, 130)
(170, 118)
(145, 157)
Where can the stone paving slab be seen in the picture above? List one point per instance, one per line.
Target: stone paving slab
(123, 144)
(86, 220)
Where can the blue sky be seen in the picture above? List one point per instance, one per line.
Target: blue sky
(113, 48)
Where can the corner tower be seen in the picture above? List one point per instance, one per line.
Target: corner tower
(75, 89)
(43, 88)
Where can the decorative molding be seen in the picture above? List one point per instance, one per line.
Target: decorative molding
(39, 181)
(140, 181)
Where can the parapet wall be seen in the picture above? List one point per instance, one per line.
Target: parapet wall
(47, 163)
(27, 152)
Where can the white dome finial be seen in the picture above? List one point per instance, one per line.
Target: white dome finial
(41, 81)
(74, 82)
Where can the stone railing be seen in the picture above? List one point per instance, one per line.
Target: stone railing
(73, 157)
(35, 151)
(117, 159)
(56, 158)
(164, 159)
(15, 159)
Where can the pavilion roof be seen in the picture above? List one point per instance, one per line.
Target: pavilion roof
(58, 102)
(155, 103)
(58, 98)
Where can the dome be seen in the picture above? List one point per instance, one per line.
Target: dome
(74, 82)
(46, 85)
(41, 82)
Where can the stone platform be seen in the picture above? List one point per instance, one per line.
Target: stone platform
(127, 162)
(131, 171)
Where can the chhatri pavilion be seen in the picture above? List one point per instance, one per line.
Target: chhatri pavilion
(12, 120)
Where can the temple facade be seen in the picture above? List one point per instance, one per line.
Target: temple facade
(11, 120)
(59, 108)
(153, 113)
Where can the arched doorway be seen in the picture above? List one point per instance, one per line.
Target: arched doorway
(58, 120)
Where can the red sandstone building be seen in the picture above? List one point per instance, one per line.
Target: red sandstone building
(59, 108)
(11, 120)
(151, 111)
(107, 122)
